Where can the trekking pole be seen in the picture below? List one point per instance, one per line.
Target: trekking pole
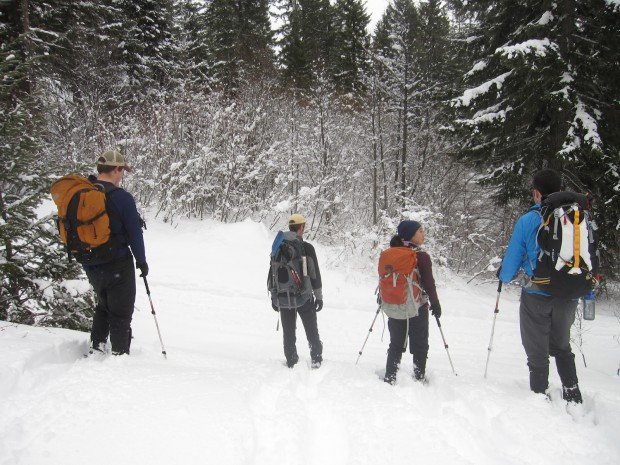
(445, 344)
(148, 293)
(368, 335)
(499, 291)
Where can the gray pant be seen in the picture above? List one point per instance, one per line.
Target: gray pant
(545, 330)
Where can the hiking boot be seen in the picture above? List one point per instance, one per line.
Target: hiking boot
(315, 364)
(292, 362)
(572, 394)
(390, 378)
(97, 348)
(418, 374)
(539, 379)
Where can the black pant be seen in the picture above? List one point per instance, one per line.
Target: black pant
(545, 330)
(307, 313)
(115, 286)
(418, 343)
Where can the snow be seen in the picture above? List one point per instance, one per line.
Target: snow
(537, 47)
(588, 122)
(615, 4)
(224, 396)
(479, 66)
(473, 94)
(546, 18)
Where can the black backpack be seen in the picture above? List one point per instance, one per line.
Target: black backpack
(568, 239)
(286, 270)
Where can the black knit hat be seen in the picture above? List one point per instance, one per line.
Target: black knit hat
(407, 229)
(547, 182)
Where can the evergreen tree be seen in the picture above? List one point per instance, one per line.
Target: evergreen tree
(351, 42)
(602, 174)
(191, 32)
(33, 269)
(147, 49)
(535, 96)
(397, 52)
(435, 59)
(307, 39)
(240, 41)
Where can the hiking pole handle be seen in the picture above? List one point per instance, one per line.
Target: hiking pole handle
(499, 291)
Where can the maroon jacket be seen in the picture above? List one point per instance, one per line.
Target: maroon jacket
(425, 267)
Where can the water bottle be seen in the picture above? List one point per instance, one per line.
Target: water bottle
(588, 306)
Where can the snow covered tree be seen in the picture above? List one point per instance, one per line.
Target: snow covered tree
(146, 43)
(193, 69)
(34, 272)
(535, 96)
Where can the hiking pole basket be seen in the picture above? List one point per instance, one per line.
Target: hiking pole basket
(368, 335)
(499, 291)
(445, 344)
(148, 293)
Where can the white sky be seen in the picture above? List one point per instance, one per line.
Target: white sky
(375, 8)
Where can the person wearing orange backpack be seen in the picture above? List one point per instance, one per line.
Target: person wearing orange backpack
(114, 281)
(410, 234)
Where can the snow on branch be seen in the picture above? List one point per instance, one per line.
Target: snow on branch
(477, 67)
(583, 119)
(545, 19)
(537, 47)
(472, 94)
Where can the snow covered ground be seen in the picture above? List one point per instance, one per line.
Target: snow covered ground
(224, 396)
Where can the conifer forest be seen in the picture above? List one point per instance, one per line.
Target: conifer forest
(235, 109)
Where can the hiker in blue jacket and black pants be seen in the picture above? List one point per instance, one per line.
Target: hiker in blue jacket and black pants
(115, 282)
(545, 320)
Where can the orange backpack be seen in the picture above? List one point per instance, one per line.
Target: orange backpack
(83, 220)
(397, 268)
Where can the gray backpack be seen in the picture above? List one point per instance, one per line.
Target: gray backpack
(286, 282)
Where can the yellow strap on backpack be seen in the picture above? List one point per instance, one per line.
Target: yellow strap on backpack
(576, 239)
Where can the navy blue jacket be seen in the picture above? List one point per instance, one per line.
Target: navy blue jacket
(125, 222)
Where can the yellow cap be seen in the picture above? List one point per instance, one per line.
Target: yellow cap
(296, 219)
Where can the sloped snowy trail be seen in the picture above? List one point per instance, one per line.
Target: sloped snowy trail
(224, 395)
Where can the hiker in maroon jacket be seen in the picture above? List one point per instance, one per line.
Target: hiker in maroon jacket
(411, 234)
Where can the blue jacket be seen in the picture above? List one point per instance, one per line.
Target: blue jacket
(522, 251)
(125, 223)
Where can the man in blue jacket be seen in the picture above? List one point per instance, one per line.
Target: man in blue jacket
(545, 320)
(115, 282)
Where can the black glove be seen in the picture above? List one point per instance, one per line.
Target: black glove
(144, 268)
(499, 270)
(318, 305)
(436, 310)
(274, 307)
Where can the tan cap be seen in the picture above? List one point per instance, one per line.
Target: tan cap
(113, 158)
(296, 219)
